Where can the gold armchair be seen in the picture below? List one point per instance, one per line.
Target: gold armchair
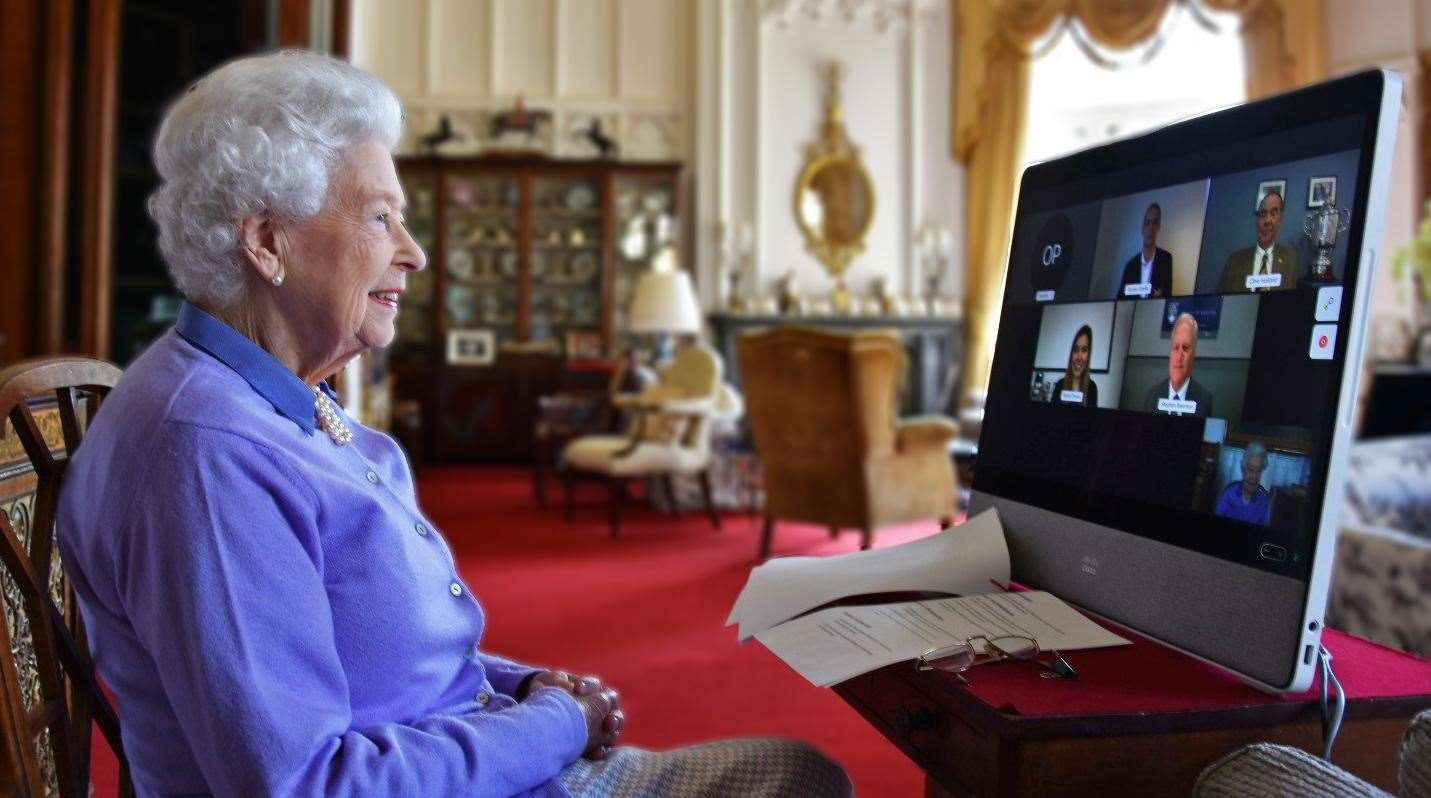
(821, 407)
(670, 433)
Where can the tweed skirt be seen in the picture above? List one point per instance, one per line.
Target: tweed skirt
(751, 766)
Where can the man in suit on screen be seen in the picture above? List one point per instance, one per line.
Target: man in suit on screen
(1151, 266)
(1180, 394)
(1266, 258)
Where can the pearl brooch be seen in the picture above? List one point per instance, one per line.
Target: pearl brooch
(329, 419)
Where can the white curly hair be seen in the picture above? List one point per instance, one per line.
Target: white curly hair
(260, 134)
(1256, 449)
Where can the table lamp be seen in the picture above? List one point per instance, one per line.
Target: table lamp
(665, 303)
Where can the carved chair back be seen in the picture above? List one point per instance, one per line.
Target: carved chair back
(48, 692)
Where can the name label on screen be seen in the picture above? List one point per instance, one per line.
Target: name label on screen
(1187, 406)
(1256, 281)
(1043, 296)
(1075, 397)
(1138, 289)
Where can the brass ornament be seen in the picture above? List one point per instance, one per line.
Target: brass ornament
(834, 196)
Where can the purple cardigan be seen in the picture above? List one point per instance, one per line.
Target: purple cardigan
(274, 613)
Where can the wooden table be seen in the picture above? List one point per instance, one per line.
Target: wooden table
(1397, 403)
(1010, 733)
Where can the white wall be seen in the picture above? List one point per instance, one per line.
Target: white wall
(1390, 34)
(628, 62)
(761, 72)
(734, 86)
(792, 92)
(1122, 332)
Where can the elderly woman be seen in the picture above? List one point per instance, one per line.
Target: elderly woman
(1076, 387)
(1246, 499)
(271, 607)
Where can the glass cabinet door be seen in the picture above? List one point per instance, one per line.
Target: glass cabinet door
(646, 223)
(480, 254)
(415, 319)
(566, 263)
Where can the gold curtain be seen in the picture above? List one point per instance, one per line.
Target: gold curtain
(1284, 46)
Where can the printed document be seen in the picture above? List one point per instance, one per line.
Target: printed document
(960, 560)
(832, 645)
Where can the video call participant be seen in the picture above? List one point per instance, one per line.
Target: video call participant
(1151, 265)
(1266, 258)
(1076, 387)
(1180, 385)
(1246, 499)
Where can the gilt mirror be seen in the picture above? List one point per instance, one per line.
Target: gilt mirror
(834, 196)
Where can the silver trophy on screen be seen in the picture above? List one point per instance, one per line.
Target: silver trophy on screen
(1322, 227)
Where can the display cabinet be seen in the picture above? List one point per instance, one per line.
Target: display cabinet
(531, 263)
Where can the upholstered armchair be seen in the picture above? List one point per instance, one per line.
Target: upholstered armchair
(1267, 770)
(670, 433)
(822, 409)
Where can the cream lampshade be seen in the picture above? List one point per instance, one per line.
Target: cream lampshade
(665, 301)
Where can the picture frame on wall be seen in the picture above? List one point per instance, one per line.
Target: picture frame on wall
(471, 347)
(583, 345)
(1268, 186)
(1321, 191)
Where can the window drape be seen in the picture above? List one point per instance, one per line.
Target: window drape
(1284, 43)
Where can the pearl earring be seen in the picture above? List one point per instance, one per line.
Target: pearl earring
(277, 280)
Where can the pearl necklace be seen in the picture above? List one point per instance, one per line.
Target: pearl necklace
(329, 419)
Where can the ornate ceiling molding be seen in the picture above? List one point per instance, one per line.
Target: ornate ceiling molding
(881, 14)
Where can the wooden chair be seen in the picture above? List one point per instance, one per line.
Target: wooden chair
(48, 691)
(670, 433)
(578, 410)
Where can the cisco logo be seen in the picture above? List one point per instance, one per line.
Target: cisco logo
(1089, 565)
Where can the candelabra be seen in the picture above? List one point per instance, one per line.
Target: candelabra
(934, 248)
(737, 243)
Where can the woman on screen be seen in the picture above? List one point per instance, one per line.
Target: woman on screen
(1076, 387)
(1246, 499)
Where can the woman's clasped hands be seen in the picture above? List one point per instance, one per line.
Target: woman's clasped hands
(601, 705)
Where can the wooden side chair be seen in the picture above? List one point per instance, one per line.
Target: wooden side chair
(48, 691)
(576, 411)
(670, 433)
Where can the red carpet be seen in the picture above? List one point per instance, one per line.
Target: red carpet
(646, 613)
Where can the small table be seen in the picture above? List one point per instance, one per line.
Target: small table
(1397, 404)
(1139, 720)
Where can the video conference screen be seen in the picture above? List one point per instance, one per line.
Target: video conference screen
(1169, 360)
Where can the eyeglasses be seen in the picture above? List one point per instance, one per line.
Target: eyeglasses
(1268, 213)
(980, 650)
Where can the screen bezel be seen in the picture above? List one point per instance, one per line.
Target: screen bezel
(1361, 95)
